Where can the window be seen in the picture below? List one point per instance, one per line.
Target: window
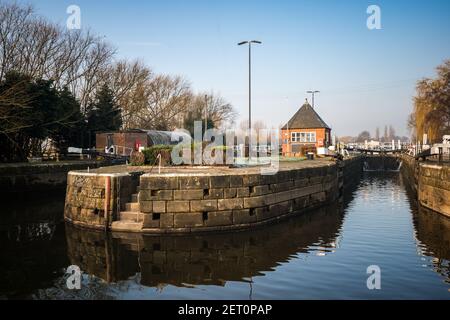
(295, 136)
(306, 137)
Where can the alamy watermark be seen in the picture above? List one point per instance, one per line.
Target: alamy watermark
(374, 280)
(230, 147)
(374, 19)
(73, 281)
(73, 22)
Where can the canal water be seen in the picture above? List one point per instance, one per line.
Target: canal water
(323, 254)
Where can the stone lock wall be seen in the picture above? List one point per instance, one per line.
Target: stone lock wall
(184, 203)
(431, 182)
(85, 197)
(434, 187)
(352, 169)
(39, 177)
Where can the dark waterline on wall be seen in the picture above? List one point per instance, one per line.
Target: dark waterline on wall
(321, 254)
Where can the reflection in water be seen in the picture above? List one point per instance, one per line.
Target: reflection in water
(32, 243)
(320, 254)
(202, 259)
(433, 234)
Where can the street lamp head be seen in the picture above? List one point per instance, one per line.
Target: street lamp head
(250, 42)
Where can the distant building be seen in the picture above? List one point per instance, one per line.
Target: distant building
(123, 142)
(305, 132)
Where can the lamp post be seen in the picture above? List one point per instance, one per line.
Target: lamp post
(249, 87)
(313, 92)
(206, 112)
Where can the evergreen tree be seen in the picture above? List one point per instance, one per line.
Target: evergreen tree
(104, 114)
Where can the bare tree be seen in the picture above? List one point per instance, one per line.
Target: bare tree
(168, 98)
(128, 81)
(34, 46)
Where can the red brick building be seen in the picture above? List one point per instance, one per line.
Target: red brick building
(305, 132)
(123, 142)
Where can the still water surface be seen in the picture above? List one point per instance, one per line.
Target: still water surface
(322, 254)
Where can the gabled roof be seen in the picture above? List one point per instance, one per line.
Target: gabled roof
(306, 118)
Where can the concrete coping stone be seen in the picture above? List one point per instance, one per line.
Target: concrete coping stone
(93, 174)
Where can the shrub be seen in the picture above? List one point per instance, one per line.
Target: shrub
(151, 154)
(137, 159)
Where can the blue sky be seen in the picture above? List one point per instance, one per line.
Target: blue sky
(366, 77)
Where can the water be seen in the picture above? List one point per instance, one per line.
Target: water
(318, 255)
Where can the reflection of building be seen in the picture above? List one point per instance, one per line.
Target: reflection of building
(305, 132)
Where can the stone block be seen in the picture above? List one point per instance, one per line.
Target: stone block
(146, 206)
(318, 197)
(159, 183)
(214, 194)
(167, 220)
(301, 183)
(159, 206)
(244, 216)
(283, 186)
(259, 190)
(315, 180)
(192, 194)
(236, 181)
(149, 222)
(243, 192)
(301, 203)
(188, 220)
(178, 206)
(263, 213)
(217, 182)
(254, 202)
(230, 193)
(219, 218)
(280, 208)
(194, 182)
(203, 205)
(148, 195)
(230, 204)
(251, 180)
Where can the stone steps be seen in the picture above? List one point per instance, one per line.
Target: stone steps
(135, 197)
(127, 226)
(130, 216)
(132, 206)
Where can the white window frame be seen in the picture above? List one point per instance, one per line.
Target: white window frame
(304, 137)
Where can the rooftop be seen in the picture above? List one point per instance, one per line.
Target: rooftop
(306, 118)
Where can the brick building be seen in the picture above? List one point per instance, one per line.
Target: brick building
(305, 132)
(123, 142)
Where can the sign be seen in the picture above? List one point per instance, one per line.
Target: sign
(320, 142)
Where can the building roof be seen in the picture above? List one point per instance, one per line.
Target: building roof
(167, 137)
(306, 118)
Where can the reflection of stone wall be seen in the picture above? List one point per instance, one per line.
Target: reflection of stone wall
(202, 259)
(85, 197)
(185, 202)
(433, 230)
(434, 187)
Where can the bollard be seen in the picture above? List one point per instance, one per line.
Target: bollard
(107, 200)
